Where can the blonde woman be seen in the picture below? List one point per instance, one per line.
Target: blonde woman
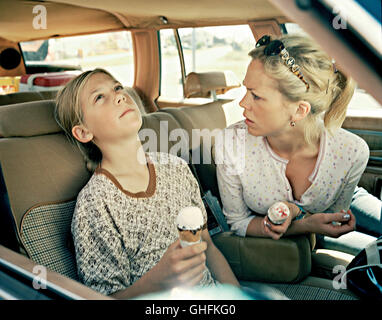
(295, 150)
(124, 230)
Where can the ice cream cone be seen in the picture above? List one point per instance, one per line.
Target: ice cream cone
(278, 213)
(190, 225)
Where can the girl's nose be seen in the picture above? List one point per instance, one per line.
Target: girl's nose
(120, 98)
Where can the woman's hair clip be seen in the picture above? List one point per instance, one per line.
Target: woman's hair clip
(276, 47)
(334, 66)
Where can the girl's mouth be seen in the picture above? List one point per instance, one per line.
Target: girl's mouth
(125, 112)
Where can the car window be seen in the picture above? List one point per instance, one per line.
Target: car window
(223, 48)
(171, 72)
(217, 48)
(362, 102)
(204, 49)
(111, 51)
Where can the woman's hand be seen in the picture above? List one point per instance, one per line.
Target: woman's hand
(179, 266)
(331, 224)
(277, 231)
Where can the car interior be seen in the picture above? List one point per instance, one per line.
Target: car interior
(41, 172)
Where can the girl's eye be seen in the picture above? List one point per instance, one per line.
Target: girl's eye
(255, 96)
(118, 87)
(98, 97)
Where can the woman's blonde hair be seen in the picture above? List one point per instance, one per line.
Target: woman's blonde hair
(68, 113)
(330, 90)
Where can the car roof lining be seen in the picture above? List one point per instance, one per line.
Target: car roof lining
(100, 16)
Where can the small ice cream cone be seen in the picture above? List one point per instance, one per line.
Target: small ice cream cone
(278, 213)
(190, 225)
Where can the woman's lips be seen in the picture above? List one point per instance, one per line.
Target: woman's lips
(247, 121)
(125, 112)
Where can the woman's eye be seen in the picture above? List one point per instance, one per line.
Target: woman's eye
(255, 96)
(118, 87)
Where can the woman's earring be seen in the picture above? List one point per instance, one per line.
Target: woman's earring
(292, 123)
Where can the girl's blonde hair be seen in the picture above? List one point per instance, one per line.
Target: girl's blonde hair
(68, 113)
(330, 90)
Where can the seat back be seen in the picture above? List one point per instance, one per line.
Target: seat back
(43, 173)
(202, 123)
(27, 96)
(161, 132)
(203, 84)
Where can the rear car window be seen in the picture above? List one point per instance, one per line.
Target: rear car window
(111, 51)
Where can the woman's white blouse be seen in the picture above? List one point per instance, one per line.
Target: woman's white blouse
(251, 176)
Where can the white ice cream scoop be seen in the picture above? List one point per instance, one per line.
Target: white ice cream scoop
(190, 218)
(190, 223)
(278, 213)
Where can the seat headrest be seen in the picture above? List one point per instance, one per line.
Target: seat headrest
(200, 85)
(36, 118)
(26, 96)
(28, 119)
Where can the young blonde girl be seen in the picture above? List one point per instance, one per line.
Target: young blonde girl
(124, 229)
